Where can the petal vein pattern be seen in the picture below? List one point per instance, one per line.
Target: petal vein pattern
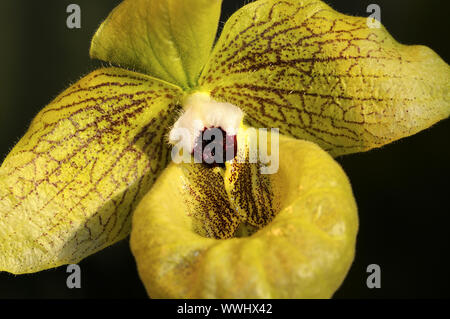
(70, 184)
(326, 77)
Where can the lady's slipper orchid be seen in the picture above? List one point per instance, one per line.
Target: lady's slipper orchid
(70, 186)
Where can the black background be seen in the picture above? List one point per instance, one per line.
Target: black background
(402, 190)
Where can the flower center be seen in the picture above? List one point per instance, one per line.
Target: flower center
(214, 147)
(207, 129)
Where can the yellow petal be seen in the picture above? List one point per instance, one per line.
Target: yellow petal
(323, 76)
(304, 252)
(70, 184)
(207, 202)
(168, 39)
(249, 191)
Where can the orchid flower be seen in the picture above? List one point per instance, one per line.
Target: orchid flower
(96, 164)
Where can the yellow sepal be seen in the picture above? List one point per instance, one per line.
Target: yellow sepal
(168, 39)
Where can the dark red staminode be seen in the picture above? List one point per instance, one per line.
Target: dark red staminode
(226, 144)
